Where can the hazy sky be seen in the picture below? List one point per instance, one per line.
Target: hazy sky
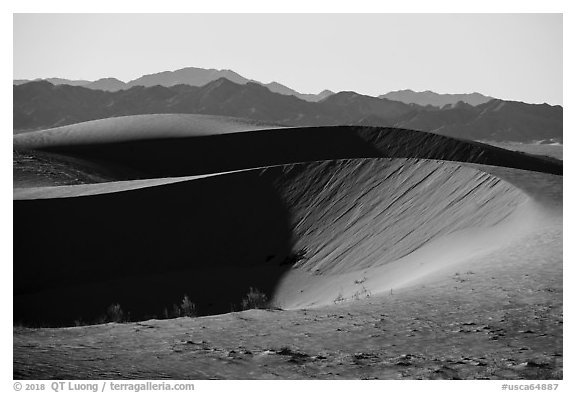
(509, 56)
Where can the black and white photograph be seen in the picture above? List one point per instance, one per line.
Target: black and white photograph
(286, 196)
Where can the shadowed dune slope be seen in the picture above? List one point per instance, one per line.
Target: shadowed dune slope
(145, 245)
(150, 146)
(146, 248)
(34, 168)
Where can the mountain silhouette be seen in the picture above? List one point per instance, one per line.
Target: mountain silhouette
(495, 120)
(192, 76)
(54, 81)
(431, 98)
(349, 105)
(186, 76)
(107, 84)
(41, 104)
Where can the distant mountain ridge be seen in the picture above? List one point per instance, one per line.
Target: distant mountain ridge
(431, 98)
(44, 105)
(495, 120)
(192, 76)
(106, 84)
(54, 81)
(187, 76)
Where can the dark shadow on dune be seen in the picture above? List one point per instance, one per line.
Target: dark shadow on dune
(36, 168)
(216, 153)
(145, 249)
(210, 238)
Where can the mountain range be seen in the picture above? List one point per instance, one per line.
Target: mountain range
(192, 76)
(428, 97)
(41, 104)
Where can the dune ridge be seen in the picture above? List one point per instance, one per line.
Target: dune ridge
(209, 207)
(153, 146)
(246, 238)
(135, 127)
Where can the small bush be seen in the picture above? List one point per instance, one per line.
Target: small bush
(339, 298)
(79, 322)
(362, 294)
(187, 308)
(255, 299)
(114, 313)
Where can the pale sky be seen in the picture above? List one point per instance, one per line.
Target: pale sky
(508, 56)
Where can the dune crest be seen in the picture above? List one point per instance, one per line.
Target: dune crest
(283, 229)
(209, 207)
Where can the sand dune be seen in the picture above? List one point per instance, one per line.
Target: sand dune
(347, 218)
(153, 146)
(435, 257)
(133, 128)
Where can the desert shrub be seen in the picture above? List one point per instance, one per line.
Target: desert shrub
(339, 298)
(362, 294)
(80, 322)
(187, 308)
(114, 313)
(255, 299)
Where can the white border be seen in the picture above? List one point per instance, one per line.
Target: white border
(302, 6)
